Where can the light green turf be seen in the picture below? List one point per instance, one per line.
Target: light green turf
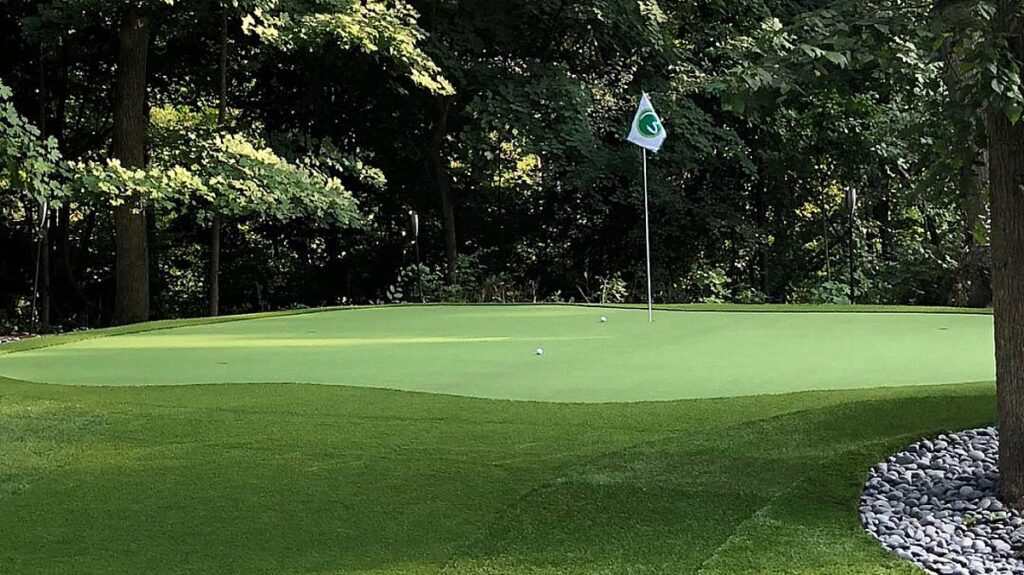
(488, 351)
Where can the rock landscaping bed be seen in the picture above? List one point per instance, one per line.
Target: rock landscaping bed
(935, 504)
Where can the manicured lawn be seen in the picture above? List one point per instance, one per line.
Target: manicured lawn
(488, 351)
(325, 479)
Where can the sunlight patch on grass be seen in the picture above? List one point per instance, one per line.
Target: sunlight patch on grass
(170, 341)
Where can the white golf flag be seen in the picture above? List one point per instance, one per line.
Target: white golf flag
(647, 131)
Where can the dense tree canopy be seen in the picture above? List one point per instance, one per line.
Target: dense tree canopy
(817, 151)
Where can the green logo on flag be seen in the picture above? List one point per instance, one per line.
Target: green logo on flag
(647, 130)
(648, 124)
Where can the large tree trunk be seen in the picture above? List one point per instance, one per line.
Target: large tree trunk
(442, 179)
(131, 301)
(1006, 151)
(213, 281)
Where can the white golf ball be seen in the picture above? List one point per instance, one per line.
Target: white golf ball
(603, 319)
(539, 351)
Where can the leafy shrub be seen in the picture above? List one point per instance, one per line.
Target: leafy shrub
(705, 284)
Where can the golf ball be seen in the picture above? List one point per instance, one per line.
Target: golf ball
(539, 351)
(603, 319)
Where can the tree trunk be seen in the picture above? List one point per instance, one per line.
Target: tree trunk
(931, 230)
(882, 213)
(760, 205)
(1006, 150)
(222, 68)
(851, 206)
(451, 254)
(131, 301)
(826, 227)
(439, 172)
(44, 103)
(64, 277)
(74, 297)
(60, 92)
(213, 281)
(971, 287)
(43, 273)
(214, 278)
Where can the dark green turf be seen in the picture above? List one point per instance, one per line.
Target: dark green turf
(489, 352)
(276, 479)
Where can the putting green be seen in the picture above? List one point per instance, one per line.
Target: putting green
(488, 351)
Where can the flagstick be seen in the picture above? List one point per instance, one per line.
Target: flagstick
(647, 238)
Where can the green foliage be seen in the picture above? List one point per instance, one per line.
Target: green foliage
(108, 183)
(705, 285)
(232, 175)
(613, 289)
(242, 177)
(385, 29)
(830, 292)
(343, 115)
(30, 165)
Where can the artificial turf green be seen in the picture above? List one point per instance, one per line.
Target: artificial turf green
(314, 479)
(489, 352)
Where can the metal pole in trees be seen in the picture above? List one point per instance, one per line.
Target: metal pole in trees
(44, 219)
(414, 220)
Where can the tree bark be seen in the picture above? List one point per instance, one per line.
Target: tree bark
(131, 300)
(213, 281)
(67, 287)
(882, 213)
(60, 92)
(44, 217)
(971, 288)
(44, 274)
(442, 179)
(222, 68)
(851, 206)
(931, 230)
(1006, 149)
(761, 251)
(72, 291)
(826, 228)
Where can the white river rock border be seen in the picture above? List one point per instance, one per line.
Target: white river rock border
(935, 504)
